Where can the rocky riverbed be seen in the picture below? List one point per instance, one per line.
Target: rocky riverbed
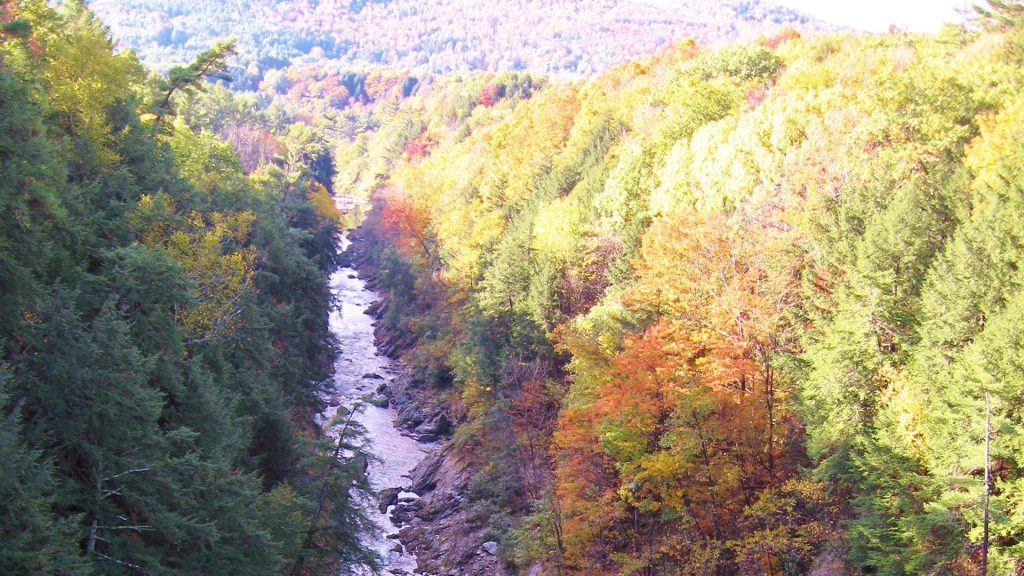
(421, 481)
(360, 377)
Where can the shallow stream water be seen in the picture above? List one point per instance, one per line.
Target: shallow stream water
(359, 370)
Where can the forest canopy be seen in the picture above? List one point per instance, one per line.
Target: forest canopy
(741, 310)
(747, 310)
(163, 326)
(560, 37)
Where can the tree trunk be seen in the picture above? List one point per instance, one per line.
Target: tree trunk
(90, 547)
(988, 484)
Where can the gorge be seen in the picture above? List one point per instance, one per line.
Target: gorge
(750, 309)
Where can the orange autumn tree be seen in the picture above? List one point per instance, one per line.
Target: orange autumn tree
(685, 436)
(407, 225)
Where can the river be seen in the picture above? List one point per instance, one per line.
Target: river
(356, 374)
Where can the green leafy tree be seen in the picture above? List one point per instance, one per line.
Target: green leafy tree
(209, 64)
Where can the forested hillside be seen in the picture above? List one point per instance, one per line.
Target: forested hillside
(753, 310)
(745, 310)
(549, 36)
(163, 325)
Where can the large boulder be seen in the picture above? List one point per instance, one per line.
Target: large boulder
(424, 474)
(411, 416)
(434, 428)
(388, 497)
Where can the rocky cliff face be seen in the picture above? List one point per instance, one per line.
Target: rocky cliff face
(438, 530)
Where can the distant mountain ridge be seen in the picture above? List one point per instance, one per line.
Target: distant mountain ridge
(572, 37)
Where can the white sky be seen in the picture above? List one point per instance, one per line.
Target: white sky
(877, 15)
